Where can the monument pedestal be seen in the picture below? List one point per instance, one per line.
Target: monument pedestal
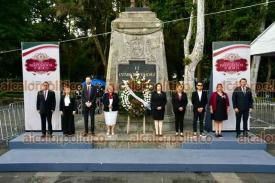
(137, 45)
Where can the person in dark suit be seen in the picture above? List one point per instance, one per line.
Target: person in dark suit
(179, 101)
(242, 104)
(89, 105)
(45, 105)
(158, 102)
(199, 101)
(68, 109)
(110, 101)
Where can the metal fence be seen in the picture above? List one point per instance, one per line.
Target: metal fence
(263, 115)
(11, 120)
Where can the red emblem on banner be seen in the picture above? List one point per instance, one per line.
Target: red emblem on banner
(41, 63)
(231, 63)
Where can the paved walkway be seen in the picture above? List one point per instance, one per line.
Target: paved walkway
(83, 177)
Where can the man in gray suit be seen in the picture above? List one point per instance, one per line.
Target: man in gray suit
(242, 104)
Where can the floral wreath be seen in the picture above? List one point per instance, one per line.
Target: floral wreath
(136, 95)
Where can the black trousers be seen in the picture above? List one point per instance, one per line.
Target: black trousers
(242, 114)
(47, 116)
(68, 126)
(179, 115)
(89, 111)
(200, 116)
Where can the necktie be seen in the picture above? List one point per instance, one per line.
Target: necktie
(89, 91)
(243, 90)
(45, 95)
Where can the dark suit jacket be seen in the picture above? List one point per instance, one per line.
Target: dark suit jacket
(45, 106)
(105, 101)
(85, 97)
(158, 100)
(179, 103)
(197, 103)
(72, 105)
(242, 101)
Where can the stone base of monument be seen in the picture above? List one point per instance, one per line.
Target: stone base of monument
(136, 124)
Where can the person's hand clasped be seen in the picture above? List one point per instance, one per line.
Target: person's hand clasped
(200, 109)
(236, 110)
(158, 108)
(181, 109)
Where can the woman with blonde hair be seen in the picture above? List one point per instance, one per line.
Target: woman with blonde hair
(179, 101)
(68, 109)
(110, 102)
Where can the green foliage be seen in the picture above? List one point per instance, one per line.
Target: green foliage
(55, 20)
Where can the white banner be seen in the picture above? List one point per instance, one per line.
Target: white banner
(40, 63)
(231, 62)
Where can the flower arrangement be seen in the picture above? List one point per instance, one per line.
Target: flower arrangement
(136, 95)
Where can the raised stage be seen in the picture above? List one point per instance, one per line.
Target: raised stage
(194, 154)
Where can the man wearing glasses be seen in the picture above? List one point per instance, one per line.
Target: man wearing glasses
(199, 101)
(45, 105)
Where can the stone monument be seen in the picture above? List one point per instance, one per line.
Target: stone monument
(137, 45)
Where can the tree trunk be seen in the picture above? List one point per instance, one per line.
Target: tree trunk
(269, 69)
(101, 54)
(197, 52)
(199, 72)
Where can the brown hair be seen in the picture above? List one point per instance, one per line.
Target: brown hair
(219, 84)
(179, 85)
(156, 85)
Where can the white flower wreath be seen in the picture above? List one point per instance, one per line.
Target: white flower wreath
(143, 86)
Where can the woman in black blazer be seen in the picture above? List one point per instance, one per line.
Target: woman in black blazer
(179, 101)
(110, 101)
(158, 102)
(67, 108)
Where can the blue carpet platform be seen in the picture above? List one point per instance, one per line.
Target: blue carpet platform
(228, 141)
(195, 156)
(33, 140)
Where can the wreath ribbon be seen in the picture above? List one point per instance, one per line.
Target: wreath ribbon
(146, 104)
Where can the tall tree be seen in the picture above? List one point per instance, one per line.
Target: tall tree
(192, 59)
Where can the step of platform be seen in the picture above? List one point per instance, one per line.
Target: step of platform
(228, 141)
(137, 140)
(134, 160)
(33, 140)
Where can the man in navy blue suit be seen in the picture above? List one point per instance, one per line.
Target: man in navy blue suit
(89, 105)
(242, 104)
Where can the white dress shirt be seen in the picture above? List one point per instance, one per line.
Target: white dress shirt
(200, 94)
(67, 100)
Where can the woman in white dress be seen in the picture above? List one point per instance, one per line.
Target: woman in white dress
(110, 101)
